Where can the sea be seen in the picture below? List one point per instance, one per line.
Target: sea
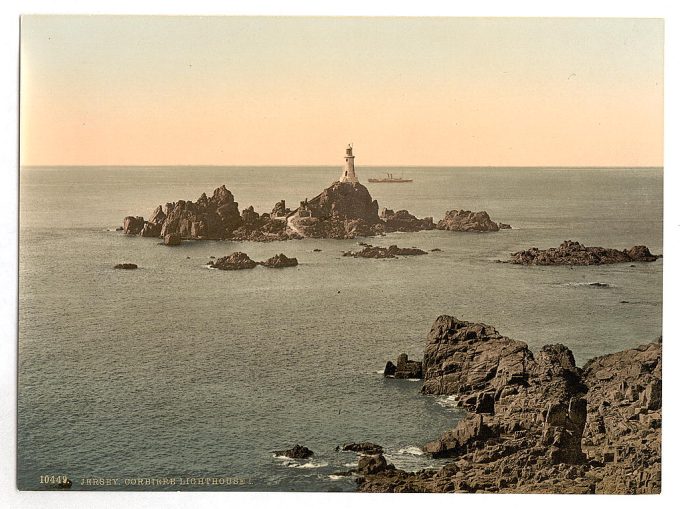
(176, 376)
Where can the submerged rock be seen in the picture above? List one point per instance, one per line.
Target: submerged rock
(234, 261)
(125, 266)
(575, 253)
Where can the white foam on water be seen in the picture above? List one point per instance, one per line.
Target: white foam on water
(310, 464)
(448, 401)
(412, 450)
(591, 284)
(337, 477)
(350, 465)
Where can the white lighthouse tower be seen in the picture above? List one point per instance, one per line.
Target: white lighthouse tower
(348, 174)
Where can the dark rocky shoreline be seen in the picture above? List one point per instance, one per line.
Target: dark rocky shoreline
(537, 423)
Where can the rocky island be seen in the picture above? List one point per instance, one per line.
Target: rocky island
(344, 210)
(468, 221)
(575, 253)
(241, 261)
(537, 423)
(385, 252)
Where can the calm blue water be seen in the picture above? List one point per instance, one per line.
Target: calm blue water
(175, 370)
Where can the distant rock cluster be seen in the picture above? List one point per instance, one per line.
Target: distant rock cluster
(241, 261)
(343, 210)
(385, 252)
(574, 253)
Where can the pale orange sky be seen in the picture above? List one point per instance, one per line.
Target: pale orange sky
(294, 91)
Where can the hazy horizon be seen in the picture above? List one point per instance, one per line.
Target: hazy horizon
(293, 91)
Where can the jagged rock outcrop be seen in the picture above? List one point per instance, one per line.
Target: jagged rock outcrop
(575, 253)
(279, 261)
(211, 218)
(345, 200)
(404, 368)
(234, 261)
(133, 225)
(280, 209)
(537, 423)
(372, 464)
(296, 452)
(468, 221)
(404, 221)
(341, 211)
(385, 252)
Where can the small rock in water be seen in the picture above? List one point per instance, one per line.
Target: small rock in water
(279, 261)
(362, 447)
(435, 250)
(119, 229)
(296, 452)
(125, 266)
(235, 261)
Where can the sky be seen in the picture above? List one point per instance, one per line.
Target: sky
(163, 90)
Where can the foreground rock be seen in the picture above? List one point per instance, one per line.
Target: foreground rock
(404, 368)
(235, 261)
(385, 252)
(537, 423)
(279, 261)
(125, 266)
(297, 452)
(623, 429)
(575, 253)
(467, 221)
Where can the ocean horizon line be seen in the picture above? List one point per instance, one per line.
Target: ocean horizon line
(511, 167)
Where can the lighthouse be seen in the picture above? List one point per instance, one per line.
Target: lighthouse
(348, 174)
